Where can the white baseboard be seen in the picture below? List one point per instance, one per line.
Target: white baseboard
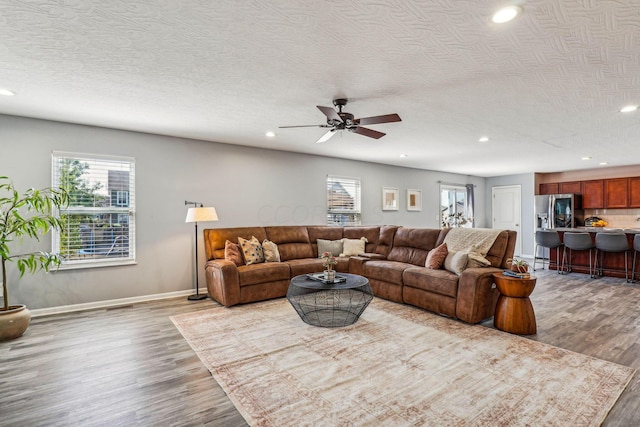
(110, 303)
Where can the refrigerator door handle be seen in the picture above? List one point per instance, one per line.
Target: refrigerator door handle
(552, 211)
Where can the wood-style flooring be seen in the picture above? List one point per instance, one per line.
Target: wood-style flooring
(130, 366)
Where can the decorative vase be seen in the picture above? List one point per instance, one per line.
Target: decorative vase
(330, 275)
(14, 322)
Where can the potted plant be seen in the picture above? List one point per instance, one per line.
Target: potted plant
(328, 261)
(24, 215)
(518, 265)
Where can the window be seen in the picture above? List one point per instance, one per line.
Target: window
(456, 205)
(343, 201)
(99, 223)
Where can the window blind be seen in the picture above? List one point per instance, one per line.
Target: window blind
(343, 201)
(99, 222)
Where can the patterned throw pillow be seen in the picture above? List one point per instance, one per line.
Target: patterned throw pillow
(233, 253)
(271, 253)
(353, 247)
(251, 250)
(333, 246)
(436, 257)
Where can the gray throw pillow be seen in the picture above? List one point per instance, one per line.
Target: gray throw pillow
(333, 246)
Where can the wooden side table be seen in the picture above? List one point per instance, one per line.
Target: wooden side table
(514, 312)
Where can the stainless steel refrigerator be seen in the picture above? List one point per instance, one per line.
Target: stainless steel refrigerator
(557, 210)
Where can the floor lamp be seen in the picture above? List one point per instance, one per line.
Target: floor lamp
(198, 213)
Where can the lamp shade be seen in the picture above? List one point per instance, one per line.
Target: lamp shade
(201, 215)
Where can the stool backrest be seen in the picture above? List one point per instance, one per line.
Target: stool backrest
(612, 242)
(578, 241)
(548, 238)
(636, 242)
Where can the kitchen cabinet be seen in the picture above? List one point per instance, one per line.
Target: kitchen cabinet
(616, 193)
(593, 194)
(634, 192)
(549, 188)
(573, 187)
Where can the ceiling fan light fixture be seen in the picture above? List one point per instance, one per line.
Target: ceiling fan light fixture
(506, 14)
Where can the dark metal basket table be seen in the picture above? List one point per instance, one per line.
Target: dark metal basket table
(330, 305)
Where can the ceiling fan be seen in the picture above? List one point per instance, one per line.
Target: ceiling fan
(339, 120)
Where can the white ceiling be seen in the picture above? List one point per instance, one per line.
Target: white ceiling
(546, 88)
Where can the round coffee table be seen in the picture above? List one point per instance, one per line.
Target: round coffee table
(330, 305)
(514, 311)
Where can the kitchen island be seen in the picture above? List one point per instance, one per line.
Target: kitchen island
(613, 264)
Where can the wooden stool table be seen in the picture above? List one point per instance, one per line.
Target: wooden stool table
(514, 312)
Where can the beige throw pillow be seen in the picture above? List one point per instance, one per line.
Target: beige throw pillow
(233, 253)
(436, 257)
(476, 259)
(270, 250)
(353, 247)
(456, 262)
(251, 250)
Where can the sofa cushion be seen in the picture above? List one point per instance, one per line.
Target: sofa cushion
(476, 259)
(436, 257)
(263, 273)
(215, 238)
(385, 271)
(233, 253)
(385, 240)
(496, 254)
(411, 245)
(440, 282)
(456, 261)
(334, 247)
(325, 232)
(293, 241)
(270, 250)
(251, 250)
(353, 247)
(314, 265)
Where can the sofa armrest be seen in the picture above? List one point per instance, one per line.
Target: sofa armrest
(370, 255)
(477, 294)
(356, 264)
(223, 282)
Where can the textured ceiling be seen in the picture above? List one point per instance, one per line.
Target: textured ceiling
(546, 88)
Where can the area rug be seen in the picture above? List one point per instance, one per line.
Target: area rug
(397, 366)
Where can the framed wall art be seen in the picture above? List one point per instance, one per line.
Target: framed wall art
(414, 200)
(390, 199)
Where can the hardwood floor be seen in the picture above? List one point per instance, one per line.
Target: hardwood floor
(130, 365)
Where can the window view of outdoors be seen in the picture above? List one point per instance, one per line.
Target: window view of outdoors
(453, 207)
(343, 201)
(98, 223)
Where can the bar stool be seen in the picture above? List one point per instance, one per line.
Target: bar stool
(577, 242)
(611, 242)
(547, 239)
(636, 249)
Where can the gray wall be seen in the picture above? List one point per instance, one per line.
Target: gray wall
(247, 186)
(526, 182)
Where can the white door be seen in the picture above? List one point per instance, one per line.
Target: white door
(505, 208)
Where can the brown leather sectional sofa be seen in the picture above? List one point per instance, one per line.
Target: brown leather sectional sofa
(393, 262)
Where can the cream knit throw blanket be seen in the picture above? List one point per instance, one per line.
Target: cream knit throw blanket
(459, 239)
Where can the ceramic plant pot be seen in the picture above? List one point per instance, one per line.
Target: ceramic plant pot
(14, 322)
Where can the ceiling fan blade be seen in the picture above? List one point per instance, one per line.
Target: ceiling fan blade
(387, 118)
(368, 132)
(305, 126)
(326, 136)
(330, 113)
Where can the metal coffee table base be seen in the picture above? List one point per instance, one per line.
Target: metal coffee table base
(330, 306)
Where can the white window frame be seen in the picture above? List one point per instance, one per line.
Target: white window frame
(352, 185)
(128, 255)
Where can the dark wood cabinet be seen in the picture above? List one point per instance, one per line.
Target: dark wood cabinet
(549, 188)
(616, 193)
(593, 194)
(573, 187)
(634, 192)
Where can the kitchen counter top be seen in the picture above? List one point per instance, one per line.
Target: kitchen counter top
(595, 229)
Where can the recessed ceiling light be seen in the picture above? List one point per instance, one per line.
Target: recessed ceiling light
(6, 92)
(603, 163)
(628, 108)
(586, 158)
(270, 134)
(506, 14)
(403, 155)
(483, 139)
